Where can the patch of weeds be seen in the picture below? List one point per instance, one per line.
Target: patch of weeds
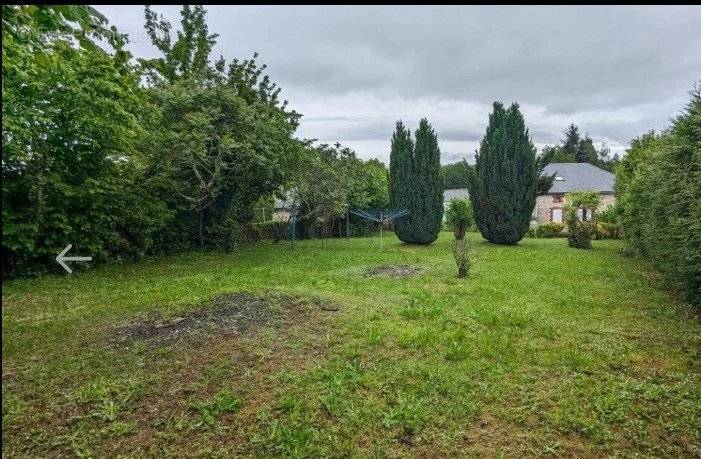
(418, 338)
(215, 373)
(289, 404)
(492, 317)
(118, 429)
(209, 411)
(407, 411)
(457, 351)
(376, 335)
(496, 346)
(292, 436)
(288, 376)
(422, 308)
(106, 398)
(552, 449)
(12, 408)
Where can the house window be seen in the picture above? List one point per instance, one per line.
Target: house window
(582, 217)
(557, 199)
(556, 215)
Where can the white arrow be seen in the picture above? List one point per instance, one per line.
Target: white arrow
(61, 258)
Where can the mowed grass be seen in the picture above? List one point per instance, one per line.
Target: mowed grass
(543, 351)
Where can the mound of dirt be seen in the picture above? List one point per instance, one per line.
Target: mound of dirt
(393, 271)
(231, 313)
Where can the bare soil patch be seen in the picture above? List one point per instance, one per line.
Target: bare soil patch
(393, 271)
(235, 313)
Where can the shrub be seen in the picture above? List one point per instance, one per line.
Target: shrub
(580, 231)
(458, 216)
(275, 230)
(607, 215)
(658, 186)
(550, 229)
(606, 230)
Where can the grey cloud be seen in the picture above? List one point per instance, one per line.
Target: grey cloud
(616, 71)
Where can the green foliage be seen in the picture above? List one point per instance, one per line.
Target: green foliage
(213, 155)
(574, 148)
(462, 256)
(504, 182)
(605, 230)
(455, 175)
(275, 230)
(581, 229)
(92, 158)
(545, 181)
(571, 143)
(549, 229)
(185, 58)
(209, 411)
(586, 152)
(73, 122)
(416, 183)
(333, 179)
(459, 216)
(608, 215)
(658, 185)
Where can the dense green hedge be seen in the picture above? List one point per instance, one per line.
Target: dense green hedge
(658, 185)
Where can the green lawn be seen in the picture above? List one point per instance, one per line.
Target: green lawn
(543, 351)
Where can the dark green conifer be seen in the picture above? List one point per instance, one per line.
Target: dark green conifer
(504, 181)
(416, 183)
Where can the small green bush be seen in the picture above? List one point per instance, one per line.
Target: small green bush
(459, 217)
(550, 229)
(608, 215)
(580, 233)
(276, 230)
(606, 230)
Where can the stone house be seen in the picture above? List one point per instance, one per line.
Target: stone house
(572, 177)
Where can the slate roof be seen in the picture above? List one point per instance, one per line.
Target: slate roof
(454, 193)
(579, 177)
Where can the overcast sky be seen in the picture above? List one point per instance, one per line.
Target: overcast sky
(616, 72)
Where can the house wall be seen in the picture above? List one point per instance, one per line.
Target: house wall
(544, 205)
(281, 215)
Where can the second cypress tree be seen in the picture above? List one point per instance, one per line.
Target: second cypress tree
(416, 183)
(503, 183)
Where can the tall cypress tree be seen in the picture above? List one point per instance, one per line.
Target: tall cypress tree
(400, 174)
(504, 181)
(416, 183)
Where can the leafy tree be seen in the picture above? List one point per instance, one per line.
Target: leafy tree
(73, 120)
(221, 139)
(504, 182)
(459, 216)
(455, 175)
(416, 183)
(187, 56)
(333, 179)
